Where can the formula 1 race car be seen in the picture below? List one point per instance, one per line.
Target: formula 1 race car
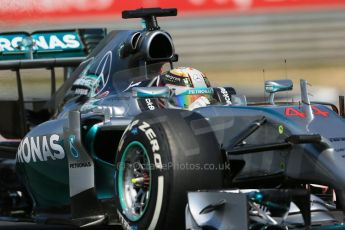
(112, 149)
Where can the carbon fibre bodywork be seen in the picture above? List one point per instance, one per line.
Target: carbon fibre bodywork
(306, 159)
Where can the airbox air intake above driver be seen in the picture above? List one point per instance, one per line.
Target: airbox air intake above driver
(157, 45)
(151, 45)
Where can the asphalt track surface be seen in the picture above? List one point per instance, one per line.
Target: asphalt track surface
(29, 226)
(4, 225)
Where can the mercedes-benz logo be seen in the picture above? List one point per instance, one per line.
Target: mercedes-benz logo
(102, 72)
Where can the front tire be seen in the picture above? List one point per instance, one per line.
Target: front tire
(161, 156)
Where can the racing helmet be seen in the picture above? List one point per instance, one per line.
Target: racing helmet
(188, 86)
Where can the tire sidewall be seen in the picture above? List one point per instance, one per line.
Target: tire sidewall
(149, 136)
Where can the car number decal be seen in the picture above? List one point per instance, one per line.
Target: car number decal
(293, 112)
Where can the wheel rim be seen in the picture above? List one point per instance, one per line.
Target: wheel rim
(134, 181)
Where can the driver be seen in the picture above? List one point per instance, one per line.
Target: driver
(190, 88)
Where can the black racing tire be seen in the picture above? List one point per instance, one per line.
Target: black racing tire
(178, 145)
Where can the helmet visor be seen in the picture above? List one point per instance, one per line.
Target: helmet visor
(184, 100)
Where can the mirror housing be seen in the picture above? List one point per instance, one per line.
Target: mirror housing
(273, 86)
(143, 92)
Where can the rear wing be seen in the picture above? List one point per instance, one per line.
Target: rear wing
(47, 49)
(40, 49)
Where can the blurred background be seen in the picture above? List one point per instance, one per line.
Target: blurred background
(238, 43)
